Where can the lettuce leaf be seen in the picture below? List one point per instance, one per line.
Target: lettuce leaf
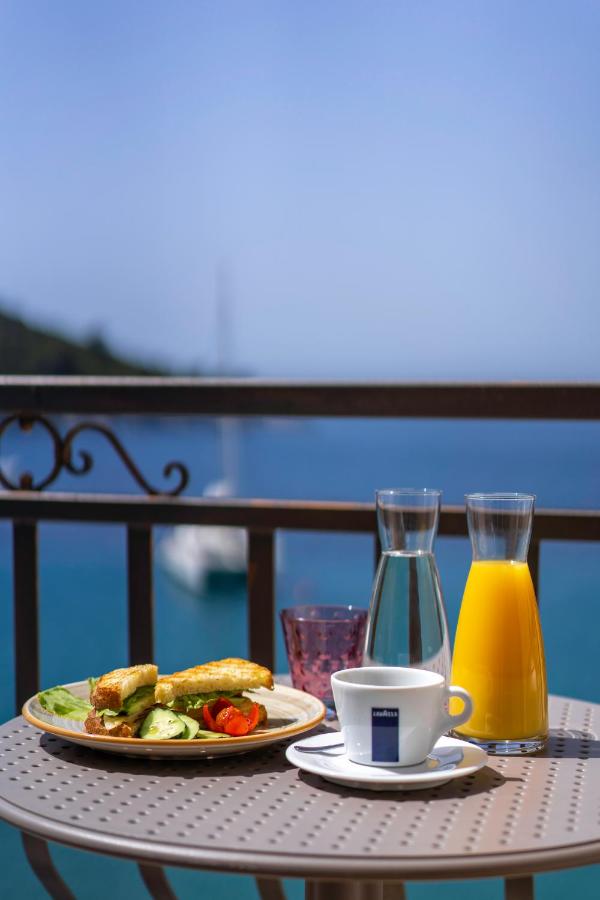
(134, 703)
(139, 698)
(60, 702)
(197, 701)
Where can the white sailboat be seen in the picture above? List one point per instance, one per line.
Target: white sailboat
(201, 557)
(197, 557)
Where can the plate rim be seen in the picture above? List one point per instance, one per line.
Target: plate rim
(311, 766)
(106, 739)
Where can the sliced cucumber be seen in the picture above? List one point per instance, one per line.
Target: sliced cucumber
(191, 727)
(203, 735)
(162, 724)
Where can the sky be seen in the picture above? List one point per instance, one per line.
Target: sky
(397, 190)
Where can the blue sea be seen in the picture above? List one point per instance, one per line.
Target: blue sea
(83, 576)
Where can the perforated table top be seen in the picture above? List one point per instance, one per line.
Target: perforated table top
(258, 814)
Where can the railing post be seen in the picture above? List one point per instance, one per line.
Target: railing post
(27, 676)
(376, 550)
(520, 888)
(415, 642)
(533, 561)
(261, 597)
(25, 594)
(140, 594)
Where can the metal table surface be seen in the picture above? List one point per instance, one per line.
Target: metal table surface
(259, 815)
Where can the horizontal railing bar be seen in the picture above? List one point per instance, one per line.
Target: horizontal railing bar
(292, 515)
(259, 397)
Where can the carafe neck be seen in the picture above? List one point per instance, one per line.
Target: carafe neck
(500, 525)
(408, 519)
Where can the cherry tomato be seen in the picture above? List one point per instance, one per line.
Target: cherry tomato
(208, 719)
(219, 704)
(232, 721)
(211, 710)
(252, 717)
(224, 717)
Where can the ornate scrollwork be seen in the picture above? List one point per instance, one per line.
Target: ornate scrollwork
(82, 463)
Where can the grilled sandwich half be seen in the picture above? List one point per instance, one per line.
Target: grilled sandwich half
(121, 700)
(188, 691)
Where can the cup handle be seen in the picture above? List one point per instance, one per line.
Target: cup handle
(465, 714)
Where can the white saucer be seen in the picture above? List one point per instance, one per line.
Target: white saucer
(450, 758)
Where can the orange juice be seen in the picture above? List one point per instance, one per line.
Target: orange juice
(499, 653)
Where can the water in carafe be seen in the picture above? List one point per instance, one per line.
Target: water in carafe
(407, 619)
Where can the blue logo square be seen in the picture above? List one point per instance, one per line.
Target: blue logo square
(384, 734)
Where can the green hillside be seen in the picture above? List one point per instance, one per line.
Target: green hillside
(26, 350)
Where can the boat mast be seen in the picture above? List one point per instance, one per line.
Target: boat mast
(227, 425)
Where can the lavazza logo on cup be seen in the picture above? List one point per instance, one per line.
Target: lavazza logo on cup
(384, 735)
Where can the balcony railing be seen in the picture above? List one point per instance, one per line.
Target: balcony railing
(26, 401)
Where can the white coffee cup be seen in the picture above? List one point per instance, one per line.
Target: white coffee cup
(392, 716)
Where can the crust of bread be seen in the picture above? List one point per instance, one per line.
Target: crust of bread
(230, 674)
(94, 725)
(114, 687)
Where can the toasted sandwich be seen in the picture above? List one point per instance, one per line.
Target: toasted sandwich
(135, 702)
(190, 690)
(121, 699)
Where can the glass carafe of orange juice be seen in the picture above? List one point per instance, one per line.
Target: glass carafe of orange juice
(498, 649)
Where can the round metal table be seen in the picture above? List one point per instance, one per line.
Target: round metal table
(257, 814)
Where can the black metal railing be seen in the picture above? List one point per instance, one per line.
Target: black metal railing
(26, 401)
(261, 518)
(38, 401)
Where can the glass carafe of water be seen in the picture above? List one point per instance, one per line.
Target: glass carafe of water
(407, 623)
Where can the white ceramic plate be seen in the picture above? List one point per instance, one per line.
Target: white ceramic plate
(450, 758)
(290, 713)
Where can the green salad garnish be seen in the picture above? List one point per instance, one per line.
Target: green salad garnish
(197, 701)
(60, 702)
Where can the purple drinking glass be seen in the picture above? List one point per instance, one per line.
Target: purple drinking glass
(320, 640)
